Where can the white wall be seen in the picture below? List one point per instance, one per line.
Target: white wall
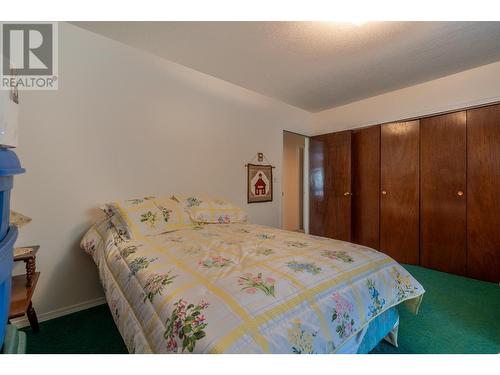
(469, 88)
(125, 124)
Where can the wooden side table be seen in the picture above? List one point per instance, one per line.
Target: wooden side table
(23, 286)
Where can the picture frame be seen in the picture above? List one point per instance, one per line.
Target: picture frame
(259, 183)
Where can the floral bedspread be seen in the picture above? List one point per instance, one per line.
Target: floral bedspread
(243, 288)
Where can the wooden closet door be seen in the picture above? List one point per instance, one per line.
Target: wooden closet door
(338, 215)
(317, 184)
(443, 232)
(330, 208)
(366, 186)
(399, 199)
(483, 187)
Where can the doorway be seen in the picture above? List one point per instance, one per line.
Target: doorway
(294, 215)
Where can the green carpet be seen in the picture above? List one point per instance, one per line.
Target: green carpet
(457, 315)
(91, 331)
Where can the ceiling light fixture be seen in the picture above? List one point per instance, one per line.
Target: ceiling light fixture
(358, 23)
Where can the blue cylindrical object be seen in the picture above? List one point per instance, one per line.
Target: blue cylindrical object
(9, 166)
(6, 264)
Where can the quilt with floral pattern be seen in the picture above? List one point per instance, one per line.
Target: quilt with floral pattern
(243, 288)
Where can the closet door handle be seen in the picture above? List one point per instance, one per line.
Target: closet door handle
(346, 194)
(460, 193)
(384, 192)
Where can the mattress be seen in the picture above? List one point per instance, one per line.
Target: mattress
(244, 288)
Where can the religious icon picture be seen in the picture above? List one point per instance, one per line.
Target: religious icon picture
(260, 183)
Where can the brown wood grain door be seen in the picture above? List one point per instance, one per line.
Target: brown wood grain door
(443, 231)
(366, 186)
(483, 188)
(330, 180)
(338, 215)
(399, 184)
(317, 184)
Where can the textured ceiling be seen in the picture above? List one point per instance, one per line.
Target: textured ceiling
(315, 65)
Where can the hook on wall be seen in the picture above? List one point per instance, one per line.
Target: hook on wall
(260, 159)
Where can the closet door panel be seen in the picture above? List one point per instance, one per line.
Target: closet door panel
(330, 180)
(483, 200)
(338, 218)
(443, 242)
(366, 186)
(317, 191)
(399, 199)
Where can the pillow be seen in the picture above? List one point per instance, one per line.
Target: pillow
(206, 209)
(114, 215)
(148, 216)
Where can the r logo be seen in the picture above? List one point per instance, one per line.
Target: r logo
(28, 49)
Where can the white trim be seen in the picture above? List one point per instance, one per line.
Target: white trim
(22, 322)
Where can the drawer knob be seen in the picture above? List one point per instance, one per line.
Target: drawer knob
(384, 192)
(460, 193)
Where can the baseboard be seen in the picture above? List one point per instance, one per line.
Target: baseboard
(23, 321)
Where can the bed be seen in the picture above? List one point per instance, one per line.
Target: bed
(208, 282)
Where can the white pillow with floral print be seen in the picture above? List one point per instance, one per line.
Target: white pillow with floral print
(212, 210)
(148, 216)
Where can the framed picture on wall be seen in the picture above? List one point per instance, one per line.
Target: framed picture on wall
(260, 183)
